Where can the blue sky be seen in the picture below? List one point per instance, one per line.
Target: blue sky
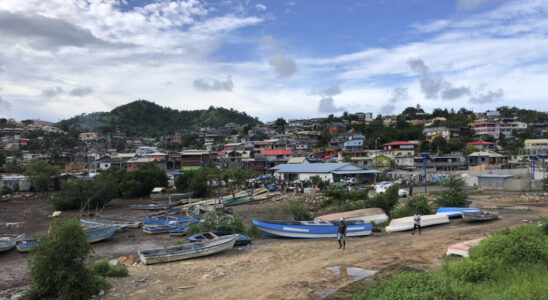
(271, 58)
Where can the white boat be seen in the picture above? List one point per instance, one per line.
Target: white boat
(462, 248)
(186, 251)
(368, 215)
(127, 224)
(406, 223)
(8, 242)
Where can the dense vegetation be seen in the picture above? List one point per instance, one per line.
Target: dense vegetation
(58, 265)
(341, 200)
(144, 118)
(511, 264)
(96, 193)
(212, 222)
(417, 204)
(455, 195)
(196, 181)
(41, 174)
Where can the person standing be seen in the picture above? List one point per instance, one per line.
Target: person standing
(410, 190)
(417, 223)
(341, 234)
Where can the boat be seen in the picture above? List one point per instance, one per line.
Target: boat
(454, 212)
(26, 245)
(227, 201)
(187, 251)
(157, 229)
(164, 214)
(478, 216)
(243, 240)
(162, 206)
(373, 215)
(171, 220)
(180, 231)
(9, 242)
(311, 229)
(461, 249)
(100, 233)
(161, 194)
(407, 223)
(121, 224)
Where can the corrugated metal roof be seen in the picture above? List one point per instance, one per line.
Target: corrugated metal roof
(496, 176)
(277, 152)
(353, 143)
(315, 168)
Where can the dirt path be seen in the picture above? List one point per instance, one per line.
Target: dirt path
(296, 269)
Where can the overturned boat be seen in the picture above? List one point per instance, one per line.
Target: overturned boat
(127, 224)
(162, 206)
(9, 242)
(455, 212)
(187, 251)
(478, 216)
(371, 215)
(311, 229)
(407, 223)
(462, 248)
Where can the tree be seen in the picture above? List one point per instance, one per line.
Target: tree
(325, 136)
(455, 195)
(13, 166)
(57, 266)
(41, 174)
(2, 158)
(440, 145)
(488, 138)
(141, 182)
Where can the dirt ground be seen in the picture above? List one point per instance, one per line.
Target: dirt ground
(269, 268)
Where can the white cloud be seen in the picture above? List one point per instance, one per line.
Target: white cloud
(470, 4)
(260, 7)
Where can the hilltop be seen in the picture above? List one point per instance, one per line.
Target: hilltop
(145, 118)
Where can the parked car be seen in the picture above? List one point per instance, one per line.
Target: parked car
(403, 193)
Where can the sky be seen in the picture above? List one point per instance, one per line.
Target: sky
(271, 58)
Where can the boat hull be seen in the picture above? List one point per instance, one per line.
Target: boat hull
(187, 251)
(236, 200)
(26, 245)
(368, 215)
(121, 224)
(311, 229)
(461, 249)
(6, 245)
(100, 234)
(407, 223)
(455, 212)
(479, 217)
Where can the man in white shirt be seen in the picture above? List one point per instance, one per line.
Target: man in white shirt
(417, 223)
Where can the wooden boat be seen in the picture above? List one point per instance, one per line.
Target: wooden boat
(162, 206)
(164, 214)
(479, 216)
(180, 231)
(236, 200)
(26, 245)
(372, 215)
(461, 249)
(161, 194)
(454, 212)
(187, 251)
(126, 224)
(157, 229)
(243, 240)
(9, 242)
(171, 220)
(100, 233)
(311, 229)
(406, 223)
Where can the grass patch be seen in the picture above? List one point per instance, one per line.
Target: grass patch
(105, 269)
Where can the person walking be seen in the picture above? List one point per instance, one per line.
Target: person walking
(417, 222)
(341, 234)
(410, 190)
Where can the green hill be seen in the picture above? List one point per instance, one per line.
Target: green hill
(145, 118)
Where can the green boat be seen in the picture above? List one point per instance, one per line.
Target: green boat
(237, 200)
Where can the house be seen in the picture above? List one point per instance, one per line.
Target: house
(483, 160)
(273, 155)
(535, 146)
(194, 158)
(157, 156)
(332, 172)
(353, 145)
(89, 136)
(432, 132)
(234, 146)
(399, 148)
(298, 160)
(135, 163)
(336, 128)
(482, 145)
(381, 161)
(144, 150)
(450, 162)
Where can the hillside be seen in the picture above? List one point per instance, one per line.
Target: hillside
(145, 118)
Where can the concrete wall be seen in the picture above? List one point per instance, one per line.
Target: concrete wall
(323, 176)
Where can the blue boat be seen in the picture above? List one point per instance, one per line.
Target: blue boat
(170, 220)
(157, 229)
(165, 213)
(455, 212)
(100, 233)
(179, 231)
(311, 229)
(26, 245)
(242, 240)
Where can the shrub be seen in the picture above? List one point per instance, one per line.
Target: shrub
(105, 269)
(469, 270)
(420, 204)
(523, 244)
(387, 200)
(57, 266)
(72, 194)
(455, 195)
(141, 182)
(299, 210)
(545, 184)
(5, 190)
(401, 212)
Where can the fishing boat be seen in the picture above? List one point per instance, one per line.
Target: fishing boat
(162, 206)
(372, 215)
(454, 212)
(121, 224)
(161, 194)
(26, 245)
(478, 216)
(227, 201)
(311, 229)
(243, 240)
(180, 231)
(9, 242)
(100, 233)
(187, 251)
(407, 223)
(170, 220)
(157, 229)
(164, 214)
(462, 248)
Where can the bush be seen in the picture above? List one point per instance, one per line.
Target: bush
(194, 181)
(78, 193)
(523, 244)
(5, 190)
(468, 270)
(387, 200)
(103, 268)
(57, 266)
(545, 184)
(41, 174)
(342, 200)
(141, 182)
(455, 195)
(299, 210)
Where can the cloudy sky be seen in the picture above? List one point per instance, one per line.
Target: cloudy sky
(271, 58)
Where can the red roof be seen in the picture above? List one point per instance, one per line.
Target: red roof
(399, 143)
(277, 152)
(479, 143)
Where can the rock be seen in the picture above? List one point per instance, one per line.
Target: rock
(206, 276)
